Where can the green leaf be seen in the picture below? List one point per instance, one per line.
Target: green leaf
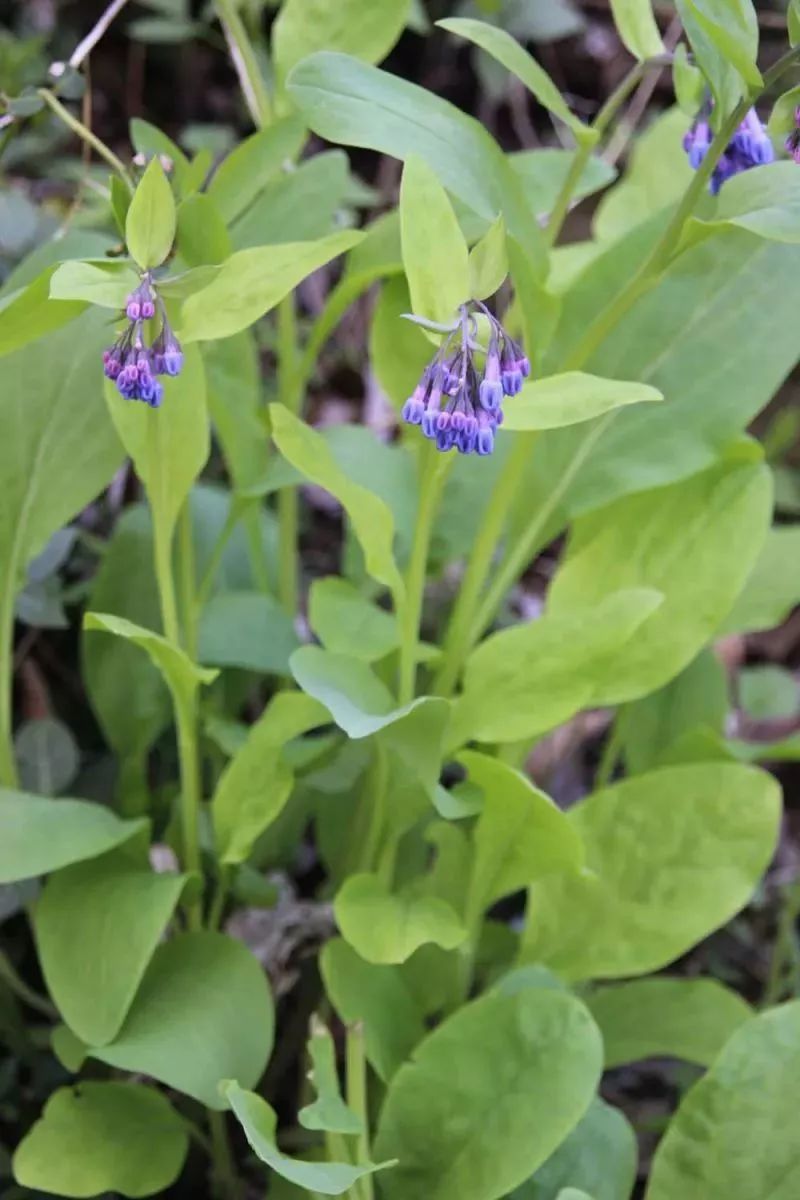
(571, 398)
(371, 519)
(687, 82)
(349, 624)
(170, 446)
(508, 51)
(520, 834)
(690, 1019)
(696, 542)
(528, 679)
(203, 1012)
(243, 174)
(532, 1060)
(488, 262)
(765, 202)
(59, 448)
(637, 27)
(354, 104)
(251, 282)
(734, 1133)
(92, 1138)
(256, 783)
(329, 1111)
(41, 835)
(248, 630)
(29, 313)
(105, 284)
(671, 856)
(793, 22)
(600, 1154)
(149, 141)
(399, 350)
(299, 205)
(379, 998)
(150, 223)
(97, 924)
(435, 255)
(260, 1126)
(182, 676)
(202, 238)
(731, 26)
(47, 756)
(367, 32)
(387, 928)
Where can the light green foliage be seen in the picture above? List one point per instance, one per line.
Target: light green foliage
(637, 27)
(724, 36)
(488, 262)
(251, 282)
(349, 624)
(367, 32)
(435, 255)
(600, 1153)
(329, 1111)
(399, 350)
(387, 928)
(298, 205)
(248, 630)
(260, 1123)
(203, 1013)
(243, 174)
(532, 1060)
(371, 519)
(571, 398)
(123, 1138)
(764, 202)
(202, 238)
(671, 856)
(97, 924)
(773, 586)
(379, 998)
(42, 835)
(734, 1133)
(150, 223)
(105, 284)
(29, 313)
(683, 1018)
(152, 142)
(256, 783)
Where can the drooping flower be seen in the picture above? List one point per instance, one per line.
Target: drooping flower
(749, 147)
(457, 405)
(131, 362)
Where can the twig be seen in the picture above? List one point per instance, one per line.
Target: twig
(84, 48)
(642, 97)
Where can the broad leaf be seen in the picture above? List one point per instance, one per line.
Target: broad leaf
(387, 928)
(637, 27)
(569, 399)
(435, 255)
(532, 1060)
(349, 624)
(150, 223)
(367, 32)
(106, 284)
(299, 205)
(488, 262)
(600, 1154)
(244, 172)
(329, 1111)
(773, 586)
(93, 1138)
(671, 856)
(29, 313)
(765, 202)
(248, 630)
(203, 1013)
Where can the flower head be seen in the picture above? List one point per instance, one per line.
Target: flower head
(457, 405)
(131, 362)
(749, 147)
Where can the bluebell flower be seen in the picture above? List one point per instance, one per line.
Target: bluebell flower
(457, 405)
(749, 147)
(131, 362)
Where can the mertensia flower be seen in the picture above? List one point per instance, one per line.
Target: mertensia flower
(133, 362)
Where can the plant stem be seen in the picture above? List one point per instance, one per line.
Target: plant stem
(189, 608)
(245, 62)
(433, 469)
(225, 1176)
(611, 752)
(85, 47)
(8, 762)
(24, 993)
(289, 393)
(356, 1063)
(785, 951)
(86, 134)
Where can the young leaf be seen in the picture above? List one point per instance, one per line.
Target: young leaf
(531, 1059)
(507, 50)
(259, 1123)
(734, 1133)
(329, 1111)
(637, 27)
(256, 783)
(93, 1138)
(251, 282)
(600, 1154)
(150, 223)
(97, 924)
(42, 835)
(690, 1019)
(568, 399)
(387, 928)
(367, 32)
(202, 1013)
(671, 856)
(488, 262)
(435, 255)
(372, 521)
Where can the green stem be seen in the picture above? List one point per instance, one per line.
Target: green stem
(87, 136)
(785, 950)
(8, 762)
(480, 562)
(290, 394)
(612, 750)
(24, 993)
(243, 55)
(186, 717)
(433, 469)
(189, 607)
(228, 1183)
(215, 557)
(356, 1063)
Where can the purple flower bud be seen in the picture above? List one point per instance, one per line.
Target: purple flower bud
(524, 364)
(490, 394)
(445, 440)
(429, 424)
(112, 364)
(485, 438)
(158, 394)
(133, 308)
(442, 421)
(457, 421)
(512, 380)
(413, 411)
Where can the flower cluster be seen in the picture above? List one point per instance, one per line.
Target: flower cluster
(749, 147)
(131, 362)
(457, 405)
(793, 140)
